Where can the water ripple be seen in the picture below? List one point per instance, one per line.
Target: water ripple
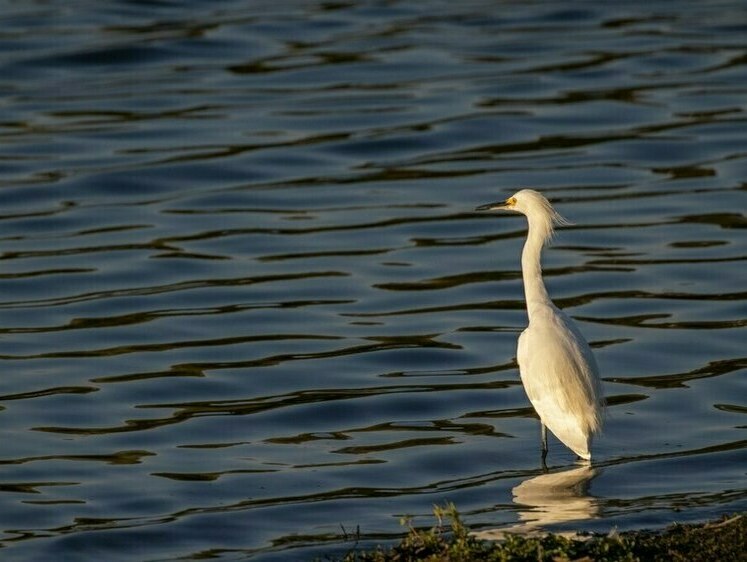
(247, 304)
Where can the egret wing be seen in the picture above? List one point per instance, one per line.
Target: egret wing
(560, 378)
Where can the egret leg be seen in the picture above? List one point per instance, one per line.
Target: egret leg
(544, 446)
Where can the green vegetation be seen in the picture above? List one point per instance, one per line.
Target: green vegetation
(722, 541)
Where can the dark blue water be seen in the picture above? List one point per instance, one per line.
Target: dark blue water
(246, 307)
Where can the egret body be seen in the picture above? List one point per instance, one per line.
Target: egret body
(557, 368)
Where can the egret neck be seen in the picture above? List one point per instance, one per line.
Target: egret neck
(531, 267)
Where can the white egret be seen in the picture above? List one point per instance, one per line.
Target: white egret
(557, 368)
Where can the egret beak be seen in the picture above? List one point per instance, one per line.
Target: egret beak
(497, 206)
(492, 206)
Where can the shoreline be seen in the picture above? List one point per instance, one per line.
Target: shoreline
(723, 540)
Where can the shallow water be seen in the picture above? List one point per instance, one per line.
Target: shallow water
(247, 309)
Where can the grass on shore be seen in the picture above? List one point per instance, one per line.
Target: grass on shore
(719, 541)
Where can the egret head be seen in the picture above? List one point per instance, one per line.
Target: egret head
(540, 214)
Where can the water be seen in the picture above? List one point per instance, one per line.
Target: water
(246, 307)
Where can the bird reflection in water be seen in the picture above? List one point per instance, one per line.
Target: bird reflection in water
(548, 499)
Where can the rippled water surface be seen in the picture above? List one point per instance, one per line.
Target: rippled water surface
(246, 307)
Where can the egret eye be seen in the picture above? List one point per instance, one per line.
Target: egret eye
(511, 201)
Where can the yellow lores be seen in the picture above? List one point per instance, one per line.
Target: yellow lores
(557, 368)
